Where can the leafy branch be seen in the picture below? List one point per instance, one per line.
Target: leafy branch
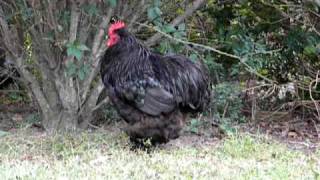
(241, 59)
(196, 5)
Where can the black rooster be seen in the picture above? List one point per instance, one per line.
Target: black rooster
(151, 92)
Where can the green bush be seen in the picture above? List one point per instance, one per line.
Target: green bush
(226, 105)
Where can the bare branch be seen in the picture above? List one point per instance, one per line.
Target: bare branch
(75, 15)
(103, 102)
(314, 84)
(34, 86)
(9, 36)
(196, 5)
(96, 53)
(124, 8)
(90, 102)
(68, 91)
(142, 6)
(99, 36)
(85, 27)
(46, 99)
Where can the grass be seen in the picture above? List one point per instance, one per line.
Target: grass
(100, 155)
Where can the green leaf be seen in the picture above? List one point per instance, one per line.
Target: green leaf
(113, 3)
(163, 47)
(78, 55)
(182, 27)
(177, 35)
(81, 74)
(194, 126)
(157, 3)
(193, 57)
(83, 47)
(71, 68)
(3, 133)
(209, 58)
(194, 122)
(86, 68)
(65, 16)
(158, 24)
(169, 29)
(181, 32)
(154, 13)
(83, 71)
(73, 51)
(310, 50)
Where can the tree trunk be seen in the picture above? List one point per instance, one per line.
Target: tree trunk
(62, 120)
(67, 113)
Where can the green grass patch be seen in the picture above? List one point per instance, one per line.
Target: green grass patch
(108, 156)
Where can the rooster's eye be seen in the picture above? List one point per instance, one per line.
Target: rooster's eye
(113, 20)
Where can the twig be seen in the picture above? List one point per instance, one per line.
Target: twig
(256, 87)
(13, 91)
(75, 15)
(316, 127)
(5, 79)
(102, 27)
(225, 110)
(269, 92)
(96, 52)
(311, 97)
(274, 112)
(104, 101)
(317, 80)
(93, 126)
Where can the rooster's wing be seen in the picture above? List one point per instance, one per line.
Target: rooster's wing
(147, 95)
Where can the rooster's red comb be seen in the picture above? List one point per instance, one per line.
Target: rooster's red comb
(115, 26)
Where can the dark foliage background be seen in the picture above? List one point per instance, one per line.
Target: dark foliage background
(263, 56)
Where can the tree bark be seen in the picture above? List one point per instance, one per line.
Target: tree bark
(59, 120)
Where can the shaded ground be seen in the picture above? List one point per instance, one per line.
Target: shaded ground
(296, 134)
(280, 126)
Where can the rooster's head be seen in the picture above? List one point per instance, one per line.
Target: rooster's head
(112, 32)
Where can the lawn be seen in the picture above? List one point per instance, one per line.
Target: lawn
(103, 155)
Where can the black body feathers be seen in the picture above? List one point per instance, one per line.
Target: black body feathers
(150, 91)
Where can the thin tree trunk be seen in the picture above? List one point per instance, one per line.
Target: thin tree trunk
(59, 121)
